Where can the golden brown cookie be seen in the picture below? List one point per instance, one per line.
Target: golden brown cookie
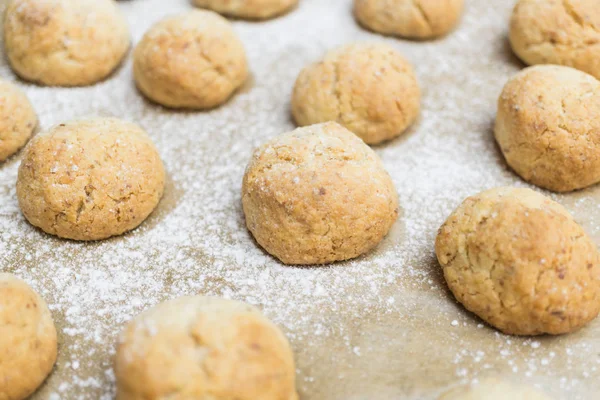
(520, 262)
(548, 127)
(204, 348)
(493, 389)
(27, 339)
(90, 179)
(194, 60)
(564, 32)
(415, 19)
(368, 88)
(64, 42)
(17, 119)
(248, 9)
(318, 195)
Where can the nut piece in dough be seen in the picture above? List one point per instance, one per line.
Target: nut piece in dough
(204, 348)
(493, 389)
(248, 9)
(548, 127)
(27, 339)
(520, 262)
(65, 42)
(17, 119)
(90, 179)
(414, 19)
(564, 32)
(318, 195)
(368, 88)
(193, 60)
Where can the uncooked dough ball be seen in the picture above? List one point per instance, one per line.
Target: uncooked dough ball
(565, 32)
(520, 262)
(318, 195)
(65, 42)
(17, 119)
(368, 88)
(493, 389)
(415, 19)
(27, 339)
(548, 127)
(194, 60)
(248, 9)
(90, 179)
(204, 348)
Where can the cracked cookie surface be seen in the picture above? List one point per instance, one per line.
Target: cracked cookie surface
(193, 60)
(64, 42)
(368, 88)
(248, 9)
(416, 19)
(18, 119)
(548, 127)
(204, 348)
(520, 262)
(318, 195)
(90, 179)
(564, 32)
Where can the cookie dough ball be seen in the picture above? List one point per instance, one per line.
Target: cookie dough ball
(415, 19)
(520, 262)
(493, 389)
(17, 119)
(64, 42)
(194, 60)
(548, 127)
(90, 179)
(318, 195)
(368, 88)
(564, 32)
(248, 9)
(27, 339)
(204, 348)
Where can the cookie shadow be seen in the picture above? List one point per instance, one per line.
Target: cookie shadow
(509, 55)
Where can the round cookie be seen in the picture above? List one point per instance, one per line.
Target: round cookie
(27, 339)
(564, 32)
(414, 19)
(548, 127)
(193, 60)
(493, 389)
(248, 9)
(520, 262)
(318, 195)
(17, 119)
(368, 88)
(201, 348)
(90, 179)
(64, 42)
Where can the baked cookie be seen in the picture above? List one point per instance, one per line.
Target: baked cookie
(414, 19)
(493, 389)
(248, 9)
(193, 60)
(27, 339)
(548, 127)
(368, 88)
(520, 262)
(318, 195)
(90, 179)
(564, 32)
(64, 42)
(204, 348)
(17, 119)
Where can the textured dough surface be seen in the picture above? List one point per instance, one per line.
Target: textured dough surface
(417, 19)
(548, 127)
(193, 60)
(318, 195)
(18, 119)
(90, 179)
(493, 389)
(28, 347)
(520, 262)
(368, 88)
(204, 348)
(248, 9)
(564, 32)
(64, 42)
